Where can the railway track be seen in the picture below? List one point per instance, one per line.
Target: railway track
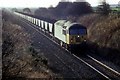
(88, 64)
(104, 70)
(101, 68)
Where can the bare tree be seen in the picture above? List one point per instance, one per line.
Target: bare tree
(103, 8)
(27, 10)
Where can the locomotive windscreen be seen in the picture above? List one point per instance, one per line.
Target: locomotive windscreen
(78, 31)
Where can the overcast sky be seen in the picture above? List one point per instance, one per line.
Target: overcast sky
(43, 3)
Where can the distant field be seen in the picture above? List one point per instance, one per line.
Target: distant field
(113, 9)
(116, 9)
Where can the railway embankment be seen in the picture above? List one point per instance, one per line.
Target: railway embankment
(19, 58)
(104, 33)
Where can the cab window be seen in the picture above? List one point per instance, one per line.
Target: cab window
(78, 31)
(64, 32)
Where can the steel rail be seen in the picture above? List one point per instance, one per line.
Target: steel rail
(92, 67)
(104, 65)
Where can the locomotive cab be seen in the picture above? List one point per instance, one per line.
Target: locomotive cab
(77, 34)
(69, 33)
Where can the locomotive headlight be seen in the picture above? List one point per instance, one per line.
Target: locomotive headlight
(78, 36)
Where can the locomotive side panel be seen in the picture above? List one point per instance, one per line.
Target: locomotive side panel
(59, 33)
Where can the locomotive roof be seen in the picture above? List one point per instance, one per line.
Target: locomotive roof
(39, 17)
(68, 24)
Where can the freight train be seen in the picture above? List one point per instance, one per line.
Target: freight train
(68, 34)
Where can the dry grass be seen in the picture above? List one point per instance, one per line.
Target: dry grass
(104, 32)
(19, 58)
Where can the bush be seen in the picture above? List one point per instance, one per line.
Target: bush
(104, 8)
(19, 58)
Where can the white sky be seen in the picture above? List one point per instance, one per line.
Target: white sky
(43, 3)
